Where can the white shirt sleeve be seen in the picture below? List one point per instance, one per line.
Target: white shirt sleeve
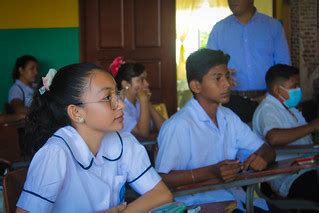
(15, 93)
(245, 138)
(142, 177)
(129, 121)
(44, 181)
(267, 120)
(174, 144)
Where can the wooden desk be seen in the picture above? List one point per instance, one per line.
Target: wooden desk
(17, 124)
(250, 179)
(297, 149)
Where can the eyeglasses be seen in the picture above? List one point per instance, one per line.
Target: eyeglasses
(114, 99)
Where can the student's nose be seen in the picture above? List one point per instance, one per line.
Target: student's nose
(227, 82)
(120, 104)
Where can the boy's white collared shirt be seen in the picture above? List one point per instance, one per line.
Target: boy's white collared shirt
(272, 114)
(190, 140)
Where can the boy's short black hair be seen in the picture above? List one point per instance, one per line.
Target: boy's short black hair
(280, 73)
(201, 61)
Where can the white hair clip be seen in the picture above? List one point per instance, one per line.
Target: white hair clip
(47, 80)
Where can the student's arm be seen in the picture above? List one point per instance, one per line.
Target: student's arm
(18, 210)
(158, 196)
(156, 117)
(261, 158)
(43, 182)
(8, 118)
(18, 106)
(226, 170)
(279, 136)
(142, 128)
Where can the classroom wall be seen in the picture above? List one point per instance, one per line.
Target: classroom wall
(48, 30)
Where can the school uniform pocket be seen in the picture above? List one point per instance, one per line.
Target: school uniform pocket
(118, 189)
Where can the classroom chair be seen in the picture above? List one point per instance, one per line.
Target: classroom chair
(12, 187)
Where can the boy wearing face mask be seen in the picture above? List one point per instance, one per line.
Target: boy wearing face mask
(280, 123)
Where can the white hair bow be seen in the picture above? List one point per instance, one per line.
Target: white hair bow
(47, 80)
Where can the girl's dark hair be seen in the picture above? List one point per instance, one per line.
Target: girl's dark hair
(128, 71)
(48, 111)
(21, 62)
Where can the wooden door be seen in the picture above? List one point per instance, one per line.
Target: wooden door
(141, 30)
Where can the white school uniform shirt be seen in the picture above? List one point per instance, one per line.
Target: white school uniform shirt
(190, 140)
(272, 114)
(22, 92)
(64, 176)
(131, 115)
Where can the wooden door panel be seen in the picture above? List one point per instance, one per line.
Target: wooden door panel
(111, 33)
(147, 23)
(139, 30)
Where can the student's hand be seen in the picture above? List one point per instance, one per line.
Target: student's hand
(144, 95)
(117, 209)
(315, 125)
(19, 116)
(255, 162)
(229, 169)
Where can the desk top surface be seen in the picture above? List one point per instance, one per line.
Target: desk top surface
(275, 170)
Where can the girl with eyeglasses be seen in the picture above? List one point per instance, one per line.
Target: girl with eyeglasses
(81, 162)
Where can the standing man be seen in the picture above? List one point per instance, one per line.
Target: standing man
(254, 42)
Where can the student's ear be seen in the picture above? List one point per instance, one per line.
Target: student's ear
(276, 89)
(75, 113)
(20, 70)
(125, 85)
(195, 86)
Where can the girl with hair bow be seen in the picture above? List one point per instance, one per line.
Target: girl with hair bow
(140, 117)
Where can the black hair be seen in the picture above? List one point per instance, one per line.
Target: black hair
(128, 71)
(279, 73)
(48, 111)
(201, 61)
(21, 62)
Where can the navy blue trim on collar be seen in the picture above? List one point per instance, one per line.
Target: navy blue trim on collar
(121, 150)
(129, 182)
(86, 168)
(37, 195)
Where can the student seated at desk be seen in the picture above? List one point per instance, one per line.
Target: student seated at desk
(24, 74)
(82, 163)
(202, 140)
(279, 122)
(139, 114)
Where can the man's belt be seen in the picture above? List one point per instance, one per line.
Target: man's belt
(249, 93)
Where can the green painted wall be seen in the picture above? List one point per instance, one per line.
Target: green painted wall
(53, 47)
